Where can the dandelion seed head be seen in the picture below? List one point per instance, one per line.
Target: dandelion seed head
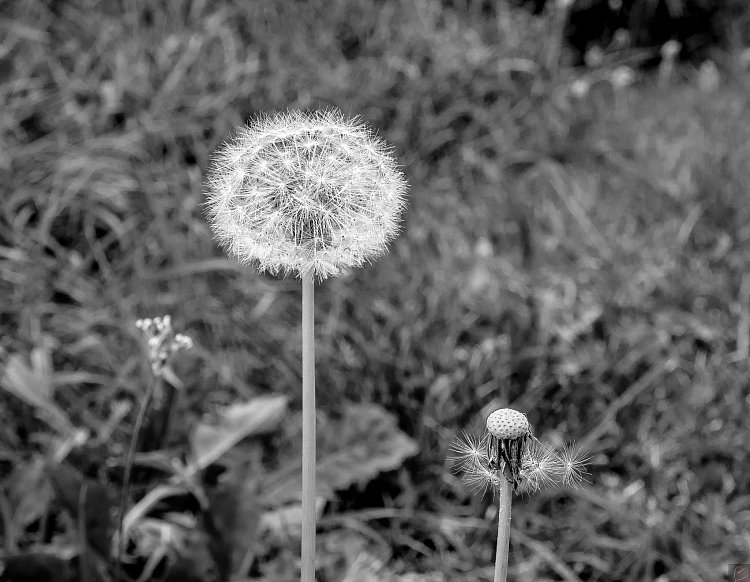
(508, 452)
(305, 194)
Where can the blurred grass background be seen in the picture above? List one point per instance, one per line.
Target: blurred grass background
(578, 255)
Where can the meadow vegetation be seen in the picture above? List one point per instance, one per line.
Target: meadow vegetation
(576, 255)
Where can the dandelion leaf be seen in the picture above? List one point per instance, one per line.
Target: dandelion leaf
(367, 442)
(208, 442)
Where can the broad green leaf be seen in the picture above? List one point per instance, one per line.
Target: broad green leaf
(261, 415)
(33, 385)
(29, 492)
(367, 441)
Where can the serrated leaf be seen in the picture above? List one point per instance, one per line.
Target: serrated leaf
(208, 442)
(369, 442)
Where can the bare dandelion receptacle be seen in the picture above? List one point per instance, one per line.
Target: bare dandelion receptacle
(508, 431)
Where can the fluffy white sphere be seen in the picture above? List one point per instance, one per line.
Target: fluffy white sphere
(305, 193)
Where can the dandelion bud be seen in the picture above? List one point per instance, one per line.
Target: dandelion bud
(308, 194)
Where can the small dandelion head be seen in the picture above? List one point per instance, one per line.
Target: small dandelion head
(305, 193)
(509, 452)
(508, 431)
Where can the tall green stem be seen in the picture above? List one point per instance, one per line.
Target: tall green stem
(503, 530)
(308, 430)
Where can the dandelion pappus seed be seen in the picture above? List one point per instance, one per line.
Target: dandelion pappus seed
(466, 451)
(571, 466)
(538, 467)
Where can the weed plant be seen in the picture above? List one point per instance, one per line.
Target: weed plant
(507, 460)
(577, 254)
(309, 194)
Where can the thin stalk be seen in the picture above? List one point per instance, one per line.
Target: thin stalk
(127, 474)
(308, 430)
(83, 558)
(503, 530)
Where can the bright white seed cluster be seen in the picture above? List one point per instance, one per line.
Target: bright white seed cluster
(162, 341)
(509, 451)
(305, 193)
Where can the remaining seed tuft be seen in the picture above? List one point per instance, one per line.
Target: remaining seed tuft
(571, 466)
(468, 453)
(509, 451)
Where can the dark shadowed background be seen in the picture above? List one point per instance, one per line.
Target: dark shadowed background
(576, 246)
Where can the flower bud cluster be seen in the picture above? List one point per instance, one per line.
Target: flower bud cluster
(162, 341)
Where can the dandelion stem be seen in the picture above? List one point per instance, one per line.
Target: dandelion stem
(503, 530)
(308, 430)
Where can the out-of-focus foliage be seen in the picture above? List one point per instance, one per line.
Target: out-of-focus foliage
(702, 27)
(575, 247)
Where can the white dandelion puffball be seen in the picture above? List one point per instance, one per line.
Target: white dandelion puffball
(305, 193)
